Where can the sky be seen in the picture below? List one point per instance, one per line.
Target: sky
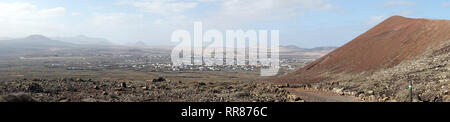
(304, 23)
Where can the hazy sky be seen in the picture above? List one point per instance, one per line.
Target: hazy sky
(305, 23)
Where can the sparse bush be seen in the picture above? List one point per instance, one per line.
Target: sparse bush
(160, 79)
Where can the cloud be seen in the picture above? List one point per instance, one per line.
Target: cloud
(405, 12)
(160, 6)
(244, 11)
(22, 10)
(226, 12)
(207, 0)
(445, 4)
(114, 19)
(400, 3)
(373, 20)
(264, 7)
(22, 18)
(252, 8)
(53, 12)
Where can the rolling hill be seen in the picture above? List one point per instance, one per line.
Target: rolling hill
(386, 45)
(85, 40)
(33, 42)
(379, 65)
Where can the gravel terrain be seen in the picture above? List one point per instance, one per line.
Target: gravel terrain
(159, 90)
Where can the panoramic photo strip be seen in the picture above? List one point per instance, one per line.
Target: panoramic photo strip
(223, 59)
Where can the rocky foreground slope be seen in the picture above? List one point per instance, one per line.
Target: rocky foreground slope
(379, 64)
(386, 45)
(429, 73)
(160, 90)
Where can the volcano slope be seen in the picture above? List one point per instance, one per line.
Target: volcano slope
(378, 65)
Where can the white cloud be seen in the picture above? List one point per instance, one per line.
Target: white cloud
(405, 13)
(373, 20)
(400, 3)
(53, 12)
(206, 0)
(226, 12)
(114, 19)
(21, 10)
(22, 18)
(160, 6)
(255, 8)
(445, 4)
(261, 7)
(236, 11)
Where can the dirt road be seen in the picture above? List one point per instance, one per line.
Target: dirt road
(321, 96)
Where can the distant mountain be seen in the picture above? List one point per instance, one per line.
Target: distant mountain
(136, 44)
(293, 48)
(5, 38)
(84, 40)
(33, 42)
(140, 43)
(323, 49)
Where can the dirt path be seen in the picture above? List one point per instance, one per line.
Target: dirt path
(321, 96)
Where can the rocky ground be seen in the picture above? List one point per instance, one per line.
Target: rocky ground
(430, 75)
(160, 90)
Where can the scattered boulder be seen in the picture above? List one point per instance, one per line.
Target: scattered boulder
(362, 96)
(446, 98)
(160, 79)
(339, 91)
(373, 98)
(17, 98)
(294, 98)
(201, 84)
(104, 93)
(34, 87)
(128, 91)
(64, 100)
(123, 84)
(89, 100)
(370, 92)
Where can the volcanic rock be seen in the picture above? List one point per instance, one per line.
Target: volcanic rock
(386, 45)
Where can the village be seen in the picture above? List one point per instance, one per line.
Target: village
(125, 60)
